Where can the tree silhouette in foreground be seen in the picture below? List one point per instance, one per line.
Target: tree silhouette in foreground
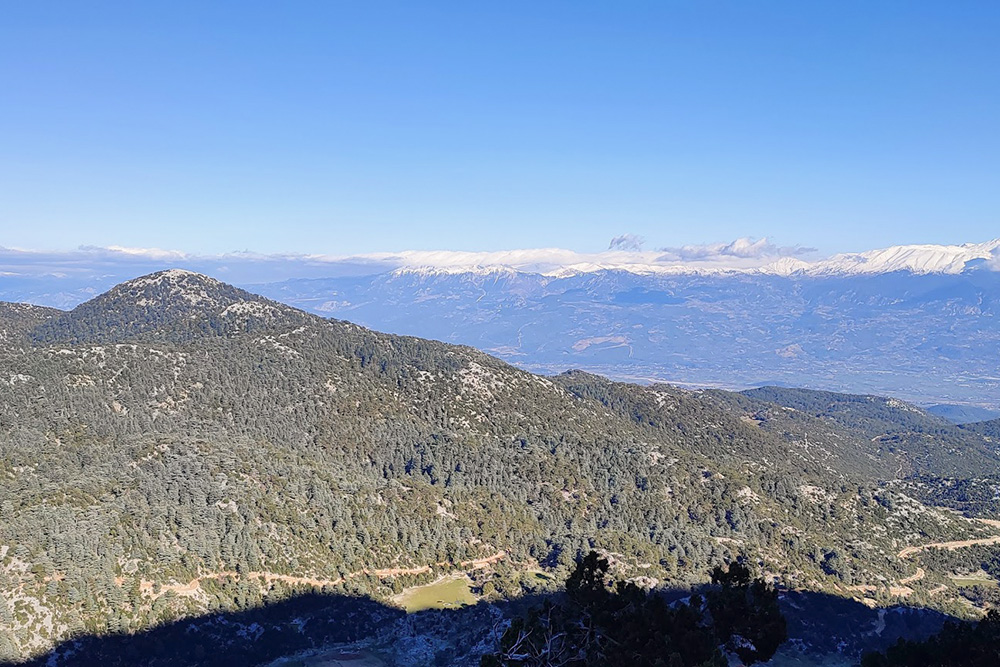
(604, 623)
(957, 645)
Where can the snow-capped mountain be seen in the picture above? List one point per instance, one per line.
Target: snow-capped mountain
(741, 256)
(65, 279)
(949, 259)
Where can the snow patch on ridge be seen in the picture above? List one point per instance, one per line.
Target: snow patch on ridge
(744, 256)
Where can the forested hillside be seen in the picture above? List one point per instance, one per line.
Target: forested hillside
(924, 443)
(18, 320)
(177, 445)
(990, 429)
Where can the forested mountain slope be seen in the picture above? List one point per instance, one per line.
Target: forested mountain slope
(18, 320)
(990, 428)
(731, 425)
(924, 443)
(975, 494)
(178, 445)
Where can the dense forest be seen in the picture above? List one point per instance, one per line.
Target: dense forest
(178, 446)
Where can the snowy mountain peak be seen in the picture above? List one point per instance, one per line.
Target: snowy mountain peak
(785, 266)
(429, 271)
(913, 258)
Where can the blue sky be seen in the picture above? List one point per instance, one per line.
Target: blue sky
(372, 126)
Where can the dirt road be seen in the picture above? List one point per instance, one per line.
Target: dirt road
(957, 544)
(916, 576)
(193, 587)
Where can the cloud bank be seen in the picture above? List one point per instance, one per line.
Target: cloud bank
(624, 251)
(744, 248)
(63, 279)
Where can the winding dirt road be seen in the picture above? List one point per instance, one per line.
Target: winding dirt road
(957, 544)
(908, 552)
(916, 576)
(193, 587)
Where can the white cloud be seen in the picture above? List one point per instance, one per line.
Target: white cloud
(119, 262)
(745, 248)
(147, 253)
(626, 242)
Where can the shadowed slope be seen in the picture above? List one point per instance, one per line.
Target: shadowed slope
(818, 625)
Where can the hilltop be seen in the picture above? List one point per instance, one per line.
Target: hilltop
(167, 306)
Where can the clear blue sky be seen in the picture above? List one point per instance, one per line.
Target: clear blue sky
(362, 126)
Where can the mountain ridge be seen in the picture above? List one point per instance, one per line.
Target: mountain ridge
(916, 335)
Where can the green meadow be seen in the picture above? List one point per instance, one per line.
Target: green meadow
(447, 593)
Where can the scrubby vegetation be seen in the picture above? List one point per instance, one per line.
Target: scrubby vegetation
(964, 561)
(925, 444)
(978, 495)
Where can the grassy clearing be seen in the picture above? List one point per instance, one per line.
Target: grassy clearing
(448, 593)
(974, 580)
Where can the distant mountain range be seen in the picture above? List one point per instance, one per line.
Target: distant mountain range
(929, 338)
(918, 322)
(741, 256)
